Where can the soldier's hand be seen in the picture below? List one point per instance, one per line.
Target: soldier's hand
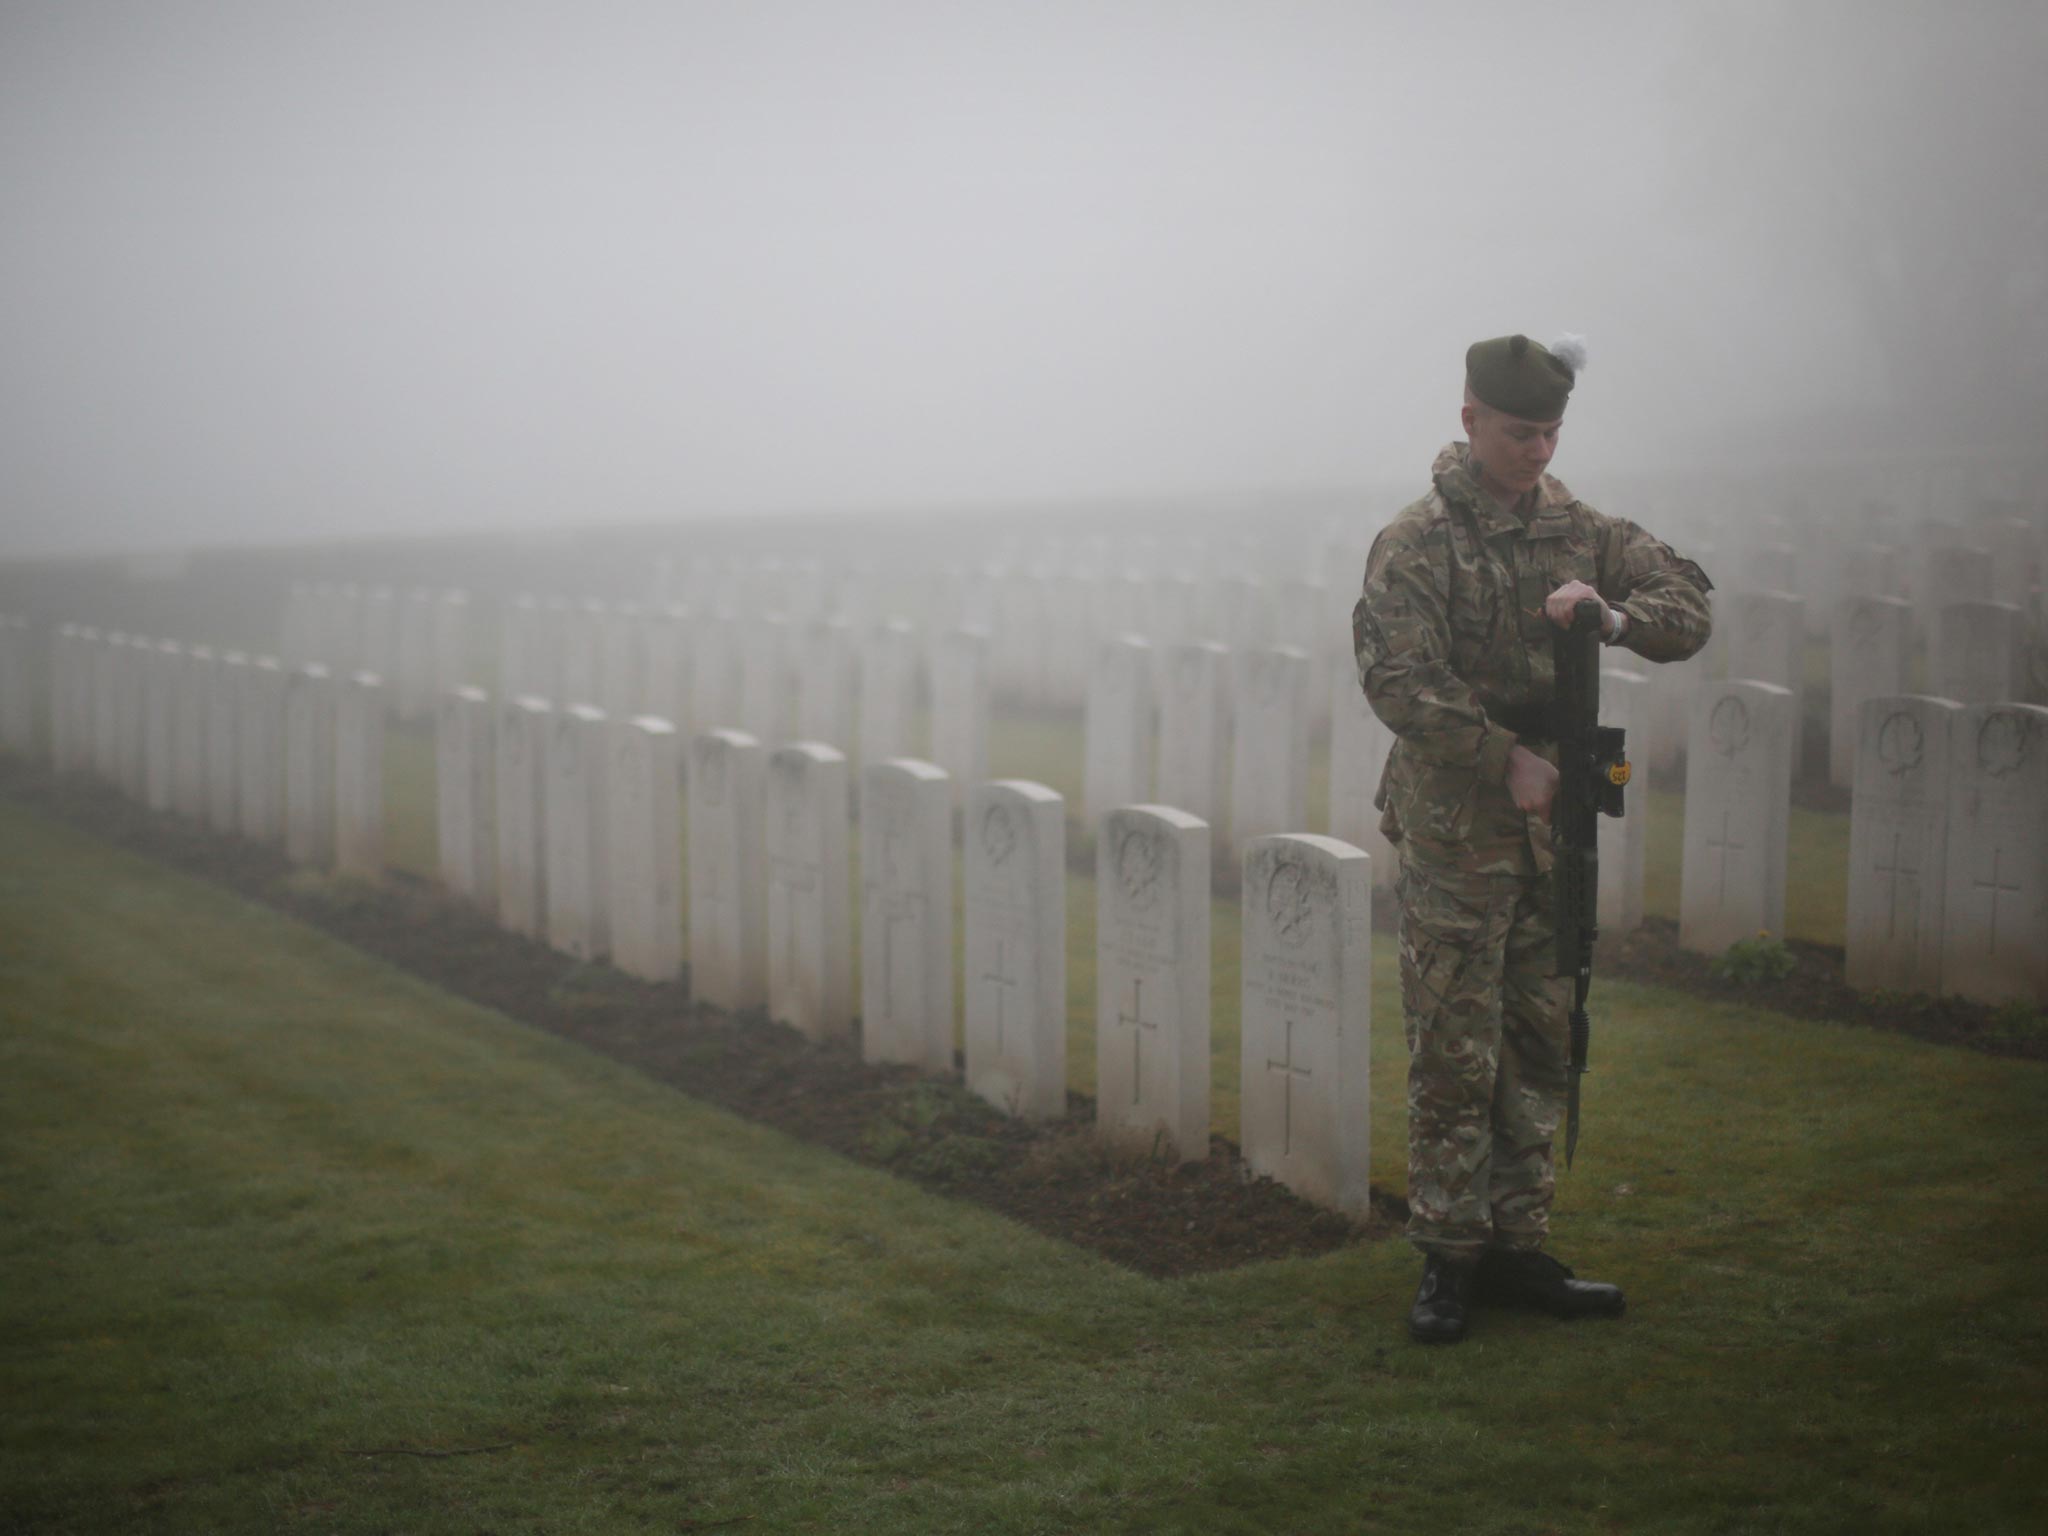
(1561, 606)
(1532, 782)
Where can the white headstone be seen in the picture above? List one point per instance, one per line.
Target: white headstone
(451, 643)
(714, 673)
(810, 906)
(1269, 744)
(295, 641)
(646, 864)
(163, 671)
(378, 651)
(517, 620)
(2011, 541)
(1950, 572)
(1869, 642)
(136, 670)
(1118, 727)
(72, 662)
(906, 893)
(1898, 822)
(1152, 980)
(554, 635)
(1871, 570)
(765, 691)
(577, 837)
(1763, 568)
(309, 766)
(888, 692)
(1305, 1059)
(194, 684)
(466, 795)
(109, 709)
(413, 681)
(1977, 653)
(1067, 639)
(223, 745)
(524, 725)
(1765, 635)
(1624, 839)
(1359, 744)
(582, 663)
(359, 705)
(664, 644)
(1738, 799)
(260, 751)
(520, 649)
(727, 878)
(827, 682)
(1306, 617)
(1194, 728)
(17, 700)
(64, 696)
(1242, 613)
(1016, 953)
(619, 660)
(959, 672)
(1995, 909)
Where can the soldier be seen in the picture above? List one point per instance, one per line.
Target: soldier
(1453, 640)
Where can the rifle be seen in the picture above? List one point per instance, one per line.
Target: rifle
(1592, 768)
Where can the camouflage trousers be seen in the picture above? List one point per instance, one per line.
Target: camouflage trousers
(1488, 1044)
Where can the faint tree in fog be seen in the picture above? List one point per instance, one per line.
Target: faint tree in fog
(1896, 152)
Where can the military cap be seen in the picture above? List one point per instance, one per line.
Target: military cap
(1524, 377)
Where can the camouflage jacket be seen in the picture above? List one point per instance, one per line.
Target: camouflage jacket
(1450, 634)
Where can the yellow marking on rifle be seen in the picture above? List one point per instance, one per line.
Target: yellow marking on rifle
(1618, 775)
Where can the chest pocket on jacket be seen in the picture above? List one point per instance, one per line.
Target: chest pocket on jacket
(1482, 619)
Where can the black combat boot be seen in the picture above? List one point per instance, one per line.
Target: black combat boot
(1528, 1277)
(1443, 1305)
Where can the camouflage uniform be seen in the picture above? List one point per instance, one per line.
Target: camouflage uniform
(1455, 655)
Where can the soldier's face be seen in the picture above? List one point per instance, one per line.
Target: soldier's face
(1512, 453)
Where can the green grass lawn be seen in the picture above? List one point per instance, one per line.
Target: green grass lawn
(266, 1204)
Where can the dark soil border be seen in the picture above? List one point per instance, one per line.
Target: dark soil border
(1148, 1213)
(1814, 989)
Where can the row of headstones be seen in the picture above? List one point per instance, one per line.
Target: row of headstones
(1948, 858)
(230, 741)
(1976, 653)
(1048, 608)
(1233, 747)
(418, 640)
(1042, 632)
(564, 824)
(1931, 563)
(778, 679)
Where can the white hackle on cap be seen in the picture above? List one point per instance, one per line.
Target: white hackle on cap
(1570, 349)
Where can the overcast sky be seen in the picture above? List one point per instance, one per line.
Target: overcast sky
(283, 271)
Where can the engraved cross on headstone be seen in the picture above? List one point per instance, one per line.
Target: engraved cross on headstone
(715, 894)
(896, 907)
(790, 879)
(1721, 848)
(1139, 1024)
(1289, 1072)
(1996, 889)
(1002, 984)
(1894, 872)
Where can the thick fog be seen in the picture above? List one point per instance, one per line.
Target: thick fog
(277, 272)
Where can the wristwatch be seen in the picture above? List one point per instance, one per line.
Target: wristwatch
(1617, 625)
